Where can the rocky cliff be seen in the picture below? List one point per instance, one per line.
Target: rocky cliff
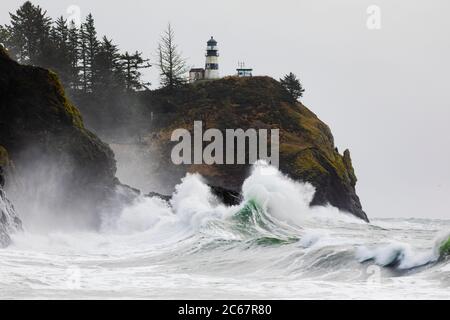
(48, 143)
(307, 149)
(9, 221)
(50, 146)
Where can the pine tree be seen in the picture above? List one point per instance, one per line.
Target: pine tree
(171, 64)
(60, 52)
(4, 36)
(292, 85)
(90, 47)
(73, 48)
(84, 65)
(60, 33)
(80, 59)
(108, 70)
(29, 34)
(131, 65)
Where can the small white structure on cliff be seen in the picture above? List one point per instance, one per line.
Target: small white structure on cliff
(212, 60)
(196, 74)
(211, 70)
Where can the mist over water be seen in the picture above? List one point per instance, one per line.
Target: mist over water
(271, 245)
(137, 167)
(44, 195)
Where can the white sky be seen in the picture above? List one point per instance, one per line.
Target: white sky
(384, 93)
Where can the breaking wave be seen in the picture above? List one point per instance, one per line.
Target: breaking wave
(275, 210)
(273, 238)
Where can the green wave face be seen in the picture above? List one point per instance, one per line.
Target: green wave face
(249, 212)
(444, 249)
(253, 221)
(271, 241)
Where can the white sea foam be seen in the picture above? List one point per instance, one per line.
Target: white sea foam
(194, 246)
(402, 255)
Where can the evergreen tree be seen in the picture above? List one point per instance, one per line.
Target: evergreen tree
(60, 50)
(60, 33)
(73, 49)
(4, 36)
(84, 65)
(171, 64)
(89, 47)
(108, 72)
(77, 56)
(131, 65)
(292, 85)
(29, 34)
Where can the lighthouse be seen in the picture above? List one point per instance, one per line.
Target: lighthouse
(212, 60)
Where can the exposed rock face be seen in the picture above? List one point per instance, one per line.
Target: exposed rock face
(307, 150)
(9, 222)
(45, 137)
(44, 134)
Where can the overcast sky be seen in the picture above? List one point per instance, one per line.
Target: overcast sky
(385, 93)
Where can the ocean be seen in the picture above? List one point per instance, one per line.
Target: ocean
(271, 246)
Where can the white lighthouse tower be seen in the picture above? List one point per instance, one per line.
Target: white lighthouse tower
(212, 60)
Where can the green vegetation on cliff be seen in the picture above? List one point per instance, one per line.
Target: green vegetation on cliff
(307, 150)
(35, 112)
(43, 131)
(4, 157)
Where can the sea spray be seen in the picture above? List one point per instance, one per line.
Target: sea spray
(283, 198)
(9, 221)
(393, 254)
(194, 245)
(274, 208)
(403, 256)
